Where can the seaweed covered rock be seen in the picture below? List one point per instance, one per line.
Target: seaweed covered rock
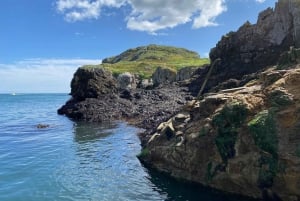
(91, 82)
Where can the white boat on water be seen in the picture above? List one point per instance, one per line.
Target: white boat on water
(13, 94)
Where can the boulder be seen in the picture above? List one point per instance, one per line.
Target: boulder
(126, 81)
(146, 84)
(185, 73)
(163, 75)
(42, 126)
(90, 82)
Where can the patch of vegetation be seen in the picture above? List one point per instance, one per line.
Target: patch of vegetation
(144, 153)
(264, 132)
(144, 60)
(227, 122)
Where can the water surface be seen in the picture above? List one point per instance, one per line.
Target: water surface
(76, 161)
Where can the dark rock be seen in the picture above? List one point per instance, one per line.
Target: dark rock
(41, 126)
(126, 94)
(289, 58)
(91, 82)
(254, 47)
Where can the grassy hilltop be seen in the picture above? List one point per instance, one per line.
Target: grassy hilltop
(144, 60)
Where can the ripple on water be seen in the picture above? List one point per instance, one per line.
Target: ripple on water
(75, 161)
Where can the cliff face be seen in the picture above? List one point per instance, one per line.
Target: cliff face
(244, 140)
(255, 47)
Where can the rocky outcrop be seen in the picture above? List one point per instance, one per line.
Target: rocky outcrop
(91, 82)
(185, 73)
(254, 47)
(242, 140)
(163, 76)
(96, 97)
(126, 81)
(289, 58)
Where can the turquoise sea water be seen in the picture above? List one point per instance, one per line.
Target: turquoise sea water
(76, 160)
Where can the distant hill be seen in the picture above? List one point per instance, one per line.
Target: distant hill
(145, 59)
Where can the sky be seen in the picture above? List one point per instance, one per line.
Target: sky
(43, 42)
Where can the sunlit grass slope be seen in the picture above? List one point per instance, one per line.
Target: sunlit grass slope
(144, 60)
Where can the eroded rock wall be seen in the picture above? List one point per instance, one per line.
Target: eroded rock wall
(243, 140)
(254, 47)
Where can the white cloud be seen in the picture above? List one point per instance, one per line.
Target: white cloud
(147, 15)
(40, 75)
(260, 1)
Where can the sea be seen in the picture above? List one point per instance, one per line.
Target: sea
(78, 161)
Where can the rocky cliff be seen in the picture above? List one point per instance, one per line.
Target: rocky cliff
(254, 47)
(243, 136)
(243, 140)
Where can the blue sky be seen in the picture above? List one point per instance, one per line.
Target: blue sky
(42, 42)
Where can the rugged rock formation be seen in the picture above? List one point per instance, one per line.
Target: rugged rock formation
(163, 76)
(243, 140)
(95, 97)
(185, 73)
(92, 83)
(255, 47)
(126, 81)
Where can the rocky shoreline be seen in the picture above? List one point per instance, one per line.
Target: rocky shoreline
(241, 135)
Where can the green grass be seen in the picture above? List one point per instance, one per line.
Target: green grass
(144, 60)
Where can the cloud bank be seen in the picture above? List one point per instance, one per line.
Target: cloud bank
(40, 75)
(147, 15)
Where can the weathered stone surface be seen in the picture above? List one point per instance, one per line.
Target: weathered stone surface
(92, 83)
(185, 73)
(289, 58)
(254, 46)
(126, 81)
(145, 84)
(163, 75)
(223, 149)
